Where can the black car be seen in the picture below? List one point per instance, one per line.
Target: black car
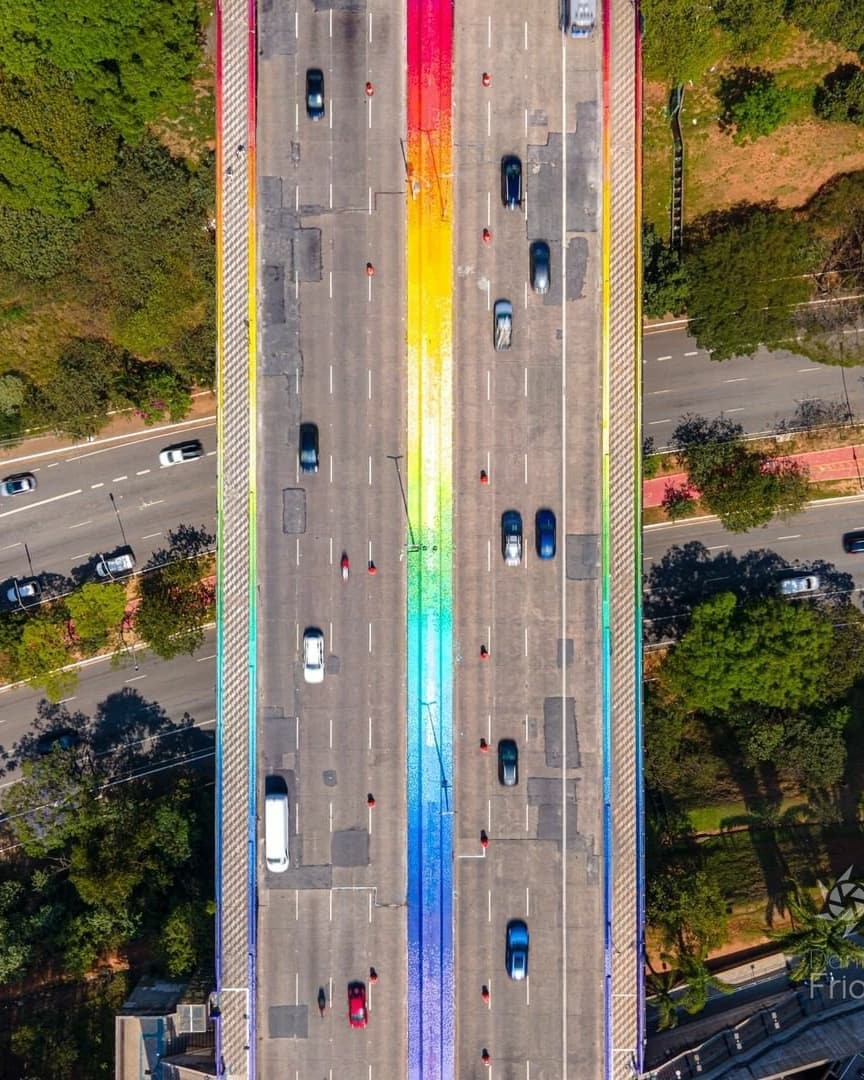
(539, 260)
(309, 448)
(315, 93)
(511, 181)
(508, 762)
(853, 542)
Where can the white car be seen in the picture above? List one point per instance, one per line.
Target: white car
(23, 590)
(795, 586)
(117, 564)
(176, 455)
(313, 655)
(18, 485)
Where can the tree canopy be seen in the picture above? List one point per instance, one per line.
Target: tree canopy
(743, 486)
(681, 39)
(133, 60)
(756, 652)
(745, 278)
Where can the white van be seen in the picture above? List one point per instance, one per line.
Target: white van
(276, 831)
(578, 17)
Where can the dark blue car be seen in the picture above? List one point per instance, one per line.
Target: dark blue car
(544, 534)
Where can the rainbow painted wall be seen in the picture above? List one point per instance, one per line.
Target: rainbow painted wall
(430, 560)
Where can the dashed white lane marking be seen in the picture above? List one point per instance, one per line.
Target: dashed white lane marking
(42, 502)
(742, 379)
(53, 465)
(489, 33)
(664, 357)
(795, 536)
(653, 423)
(488, 119)
(80, 555)
(695, 352)
(370, 27)
(151, 536)
(201, 659)
(654, 393)
(94, 486)
(804, 370)
(9, 547)
(81, 524)
(526, 35)
(135, 678)
(143, 472)
(718, 547)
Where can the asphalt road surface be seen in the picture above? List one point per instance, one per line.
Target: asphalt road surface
(756, 391)
(686, 561)
(169, 703)
(332, 341)
(509, 421)
(56, 532)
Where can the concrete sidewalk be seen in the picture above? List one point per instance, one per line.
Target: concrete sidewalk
(840, 463)
(122, 424)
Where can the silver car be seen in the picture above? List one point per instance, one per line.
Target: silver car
(511, 537)
(797, 586)
(18, 485)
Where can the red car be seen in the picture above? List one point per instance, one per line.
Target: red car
(358, 1017)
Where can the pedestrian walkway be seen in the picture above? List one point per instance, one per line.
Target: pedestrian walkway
(839, 463)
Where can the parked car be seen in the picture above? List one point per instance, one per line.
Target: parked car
(358, 1015)
(185, 451)
(511, 181)
(795, 586)
(121, 563)
(853, 542)
(544, 534)
(24, 590)
(508, 762)
(502, 322)
(516, 950)
(314, 93)
(511, 537)
(539, 263)
(308, 448)
(313, 655)
(19, 484)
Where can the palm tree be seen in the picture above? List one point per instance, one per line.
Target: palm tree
(818, 941)
(660, 985)
(694, 972)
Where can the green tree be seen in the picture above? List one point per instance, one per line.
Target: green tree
(745, 488)
(752, 103)
(750, 652)
(660, 986)
(751, 24)
(831, 20)
(42, 653)
(745, 280)
(808, 743)
(841, 95)
(146, 251)
(681, 39)
(55, 801)
(817, 941)
(175, 606)
(78, 398)
(698, 981)
(97, 611)
(185, 938)
(664, 278)
(13, 392)
(134, 60)
(156, 391)
(55, 151)
(679, 500)
(35, 245)
(686, 906)
(12, 625)
(15, 949)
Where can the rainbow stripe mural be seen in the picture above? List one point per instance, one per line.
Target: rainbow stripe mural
(430, 523)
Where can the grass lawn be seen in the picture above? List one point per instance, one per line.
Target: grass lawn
(788, 166)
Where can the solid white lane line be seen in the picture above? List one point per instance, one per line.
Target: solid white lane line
(41, 502)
